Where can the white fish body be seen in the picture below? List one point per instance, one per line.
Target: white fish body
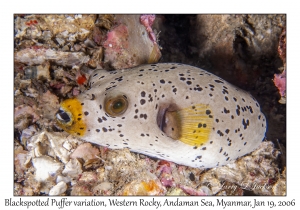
(169, 111)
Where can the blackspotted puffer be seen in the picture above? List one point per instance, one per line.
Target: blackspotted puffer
(169, 111)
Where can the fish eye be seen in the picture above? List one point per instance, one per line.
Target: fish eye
(62, 116)
(116, 106)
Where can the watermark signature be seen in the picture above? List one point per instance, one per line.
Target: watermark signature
(244, 185)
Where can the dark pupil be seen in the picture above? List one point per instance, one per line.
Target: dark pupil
(118, 105)
(64, 116)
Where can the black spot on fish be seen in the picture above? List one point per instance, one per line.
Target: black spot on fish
(142, 101)
(226, 111)
(251, 110)
(218, 81)
(245, 123)
(220, 133)
(225, 91)
(198, 89)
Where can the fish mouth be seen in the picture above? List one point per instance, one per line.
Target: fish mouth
(168, 120)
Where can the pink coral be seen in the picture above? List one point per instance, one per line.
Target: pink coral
(117, 39)
(190, 190)
(280, 82)
(147, 21)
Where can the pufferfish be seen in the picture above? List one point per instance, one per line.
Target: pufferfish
(169, 111)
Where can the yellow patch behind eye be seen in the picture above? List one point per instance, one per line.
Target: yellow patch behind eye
(76, 125)
(196, 124)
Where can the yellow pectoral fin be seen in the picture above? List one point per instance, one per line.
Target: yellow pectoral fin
(196, 124)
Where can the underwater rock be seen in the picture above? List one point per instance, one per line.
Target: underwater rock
(38, 72)
(45, 168)
(81, 190)
(68, 27)
(128, 44)
(149, 187)
(85, 151)
(279, 188)
(20, 162)
(58, 189)
(73, 168)
(24, 116)
(232, 46)
(253, 171)
(38, 56)
(50, 144)
(176, 192)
